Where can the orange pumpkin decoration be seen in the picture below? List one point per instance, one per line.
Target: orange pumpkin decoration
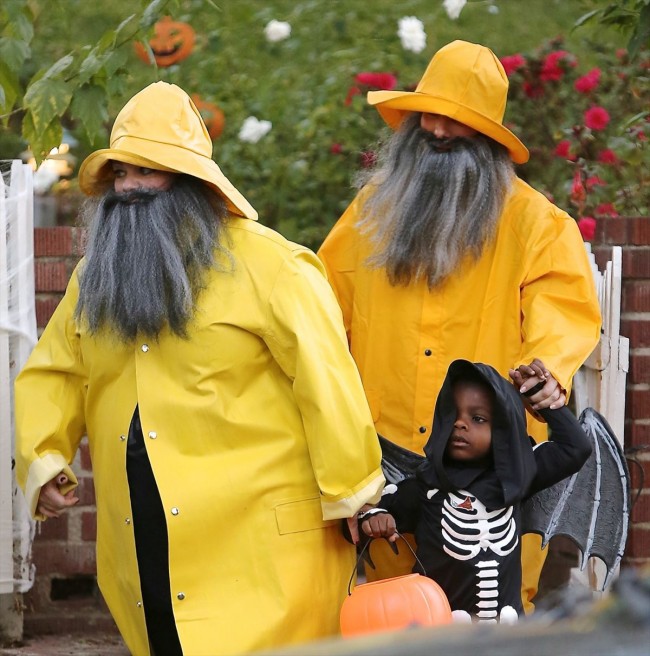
(172, 42)
(211, 114)
(392, 604)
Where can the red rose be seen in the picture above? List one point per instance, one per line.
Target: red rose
(596, 118)
(533, 90)
(511, 63)
(383, 81)
(336, 149)
(588, 82)
(607, 156)
(587, 227)
(606, 209)
(594, 181)
(551, 69)
(578, 191)
(563, 150)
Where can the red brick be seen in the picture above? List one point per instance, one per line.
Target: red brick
(84, 456)
(638, 331)
(89, 526)
(636, 262)
(86, 491)
(45, 306)
(79, 238)
(638, 463)
(636, 296)
(52, 529)
(641, 509)
(53, 241)
(638, 542)
(639, 231)
(611, 230)
(65, 558)
(637, 403)
(639, 369)
(637, 434)
(50, 276)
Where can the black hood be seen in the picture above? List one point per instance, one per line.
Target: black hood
(514, 464)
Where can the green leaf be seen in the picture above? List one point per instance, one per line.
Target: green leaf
(91, 64)
(116, 60)
(585, 18)
(123, 24)
(41, 141)
(152, 13)
(89, 106)
(13, 52)
(58, 67)
(641, 34)
(46, 100)
(10, 85)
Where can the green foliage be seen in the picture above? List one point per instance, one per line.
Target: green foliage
(629, 16)
(587, 127)
(298, 175)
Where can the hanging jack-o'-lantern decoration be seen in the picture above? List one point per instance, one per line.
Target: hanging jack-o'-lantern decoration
(172, 42)
(211, 114)
(392, 604)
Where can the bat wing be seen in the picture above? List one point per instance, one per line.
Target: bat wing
(398, 463)
(591, 507)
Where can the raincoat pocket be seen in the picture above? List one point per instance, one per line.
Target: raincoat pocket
(301, 515)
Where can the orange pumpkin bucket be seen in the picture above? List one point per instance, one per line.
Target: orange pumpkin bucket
(393, 604)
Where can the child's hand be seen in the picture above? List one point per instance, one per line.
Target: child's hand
(380, 525)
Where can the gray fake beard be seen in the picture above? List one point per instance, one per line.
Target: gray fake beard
(435, 201)
(147, 257)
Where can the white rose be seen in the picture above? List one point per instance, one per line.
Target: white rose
(411, 33)
(493, 9)
(453, 8)
(252, 129)
(277, 31)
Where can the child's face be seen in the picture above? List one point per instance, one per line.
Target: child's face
(471, 436)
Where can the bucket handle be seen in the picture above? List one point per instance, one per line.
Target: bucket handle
(392, 544)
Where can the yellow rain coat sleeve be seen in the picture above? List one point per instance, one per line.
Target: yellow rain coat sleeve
(51, 429)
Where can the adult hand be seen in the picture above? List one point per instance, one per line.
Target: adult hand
(51, 503)
(549, 394)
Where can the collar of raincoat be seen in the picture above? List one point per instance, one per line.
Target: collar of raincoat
(464, 81)
(161, 128)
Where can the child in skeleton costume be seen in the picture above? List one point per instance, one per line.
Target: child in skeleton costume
(464, 504)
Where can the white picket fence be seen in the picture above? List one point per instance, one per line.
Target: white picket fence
(600, 382)
(17, 338)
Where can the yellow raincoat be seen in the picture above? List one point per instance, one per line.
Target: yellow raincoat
(531, 295)
(258, 434)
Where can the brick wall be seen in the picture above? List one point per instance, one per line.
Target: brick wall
(65, 595)
(634, 234)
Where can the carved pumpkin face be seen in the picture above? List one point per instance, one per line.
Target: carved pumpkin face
(212, 116)
(172, 42)
(392, 604)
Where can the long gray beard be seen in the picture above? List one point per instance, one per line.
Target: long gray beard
(147, 257)
(434, 202)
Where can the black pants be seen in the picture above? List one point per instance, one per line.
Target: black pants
(150, 530)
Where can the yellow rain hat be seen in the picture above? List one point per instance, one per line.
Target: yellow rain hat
(161, 128)
(464, 81)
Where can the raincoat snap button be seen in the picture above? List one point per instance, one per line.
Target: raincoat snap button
(181, 596)
(175, 511)
(122, 437)
(153, 435)
(423, 429)
(139, 604)
(145, 348)
(427, 352)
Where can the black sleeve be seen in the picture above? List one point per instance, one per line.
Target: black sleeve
(401, 501)
(567, 449)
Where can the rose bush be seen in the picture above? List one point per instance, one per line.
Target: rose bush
(587, 126)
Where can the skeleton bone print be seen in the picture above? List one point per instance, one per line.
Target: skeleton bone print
(470, 530)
